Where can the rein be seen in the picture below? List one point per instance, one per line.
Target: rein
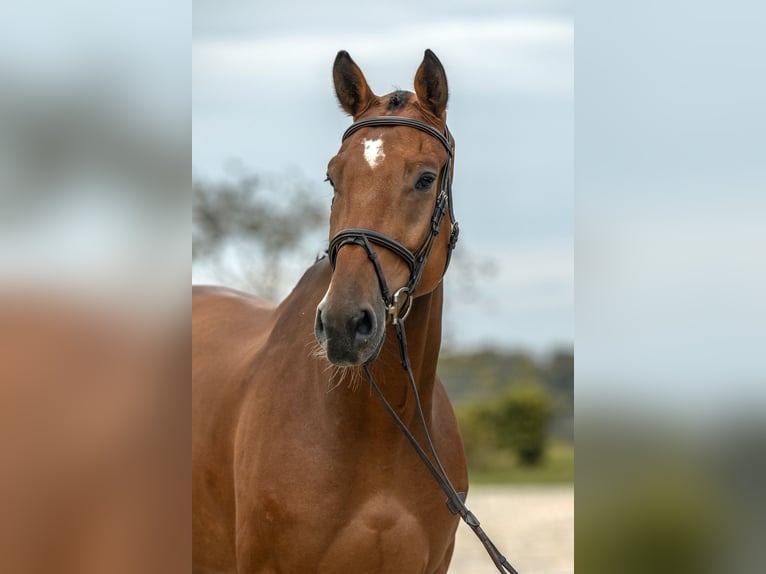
(398, 307)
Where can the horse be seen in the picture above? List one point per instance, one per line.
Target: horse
(296, 466)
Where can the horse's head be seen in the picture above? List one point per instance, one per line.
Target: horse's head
(391, 223)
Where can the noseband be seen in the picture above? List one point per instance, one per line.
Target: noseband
(398, 305)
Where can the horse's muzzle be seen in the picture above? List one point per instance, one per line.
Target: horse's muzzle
(350, 335)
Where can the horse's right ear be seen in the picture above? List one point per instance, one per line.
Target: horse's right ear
(354, 94)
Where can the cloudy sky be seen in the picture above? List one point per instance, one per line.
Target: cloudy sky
(262, 93)
(671, 194)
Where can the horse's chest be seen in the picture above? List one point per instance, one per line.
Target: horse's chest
(379, 533)
(311, 504)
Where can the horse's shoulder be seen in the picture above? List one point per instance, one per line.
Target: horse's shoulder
(446, 434)
(443, 411)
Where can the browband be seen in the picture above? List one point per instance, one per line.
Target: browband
(400, 121)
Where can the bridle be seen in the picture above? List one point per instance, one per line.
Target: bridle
(399, 303)
(398, 307)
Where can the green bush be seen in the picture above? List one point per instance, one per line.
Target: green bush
(476, 421)
(515, 421)
(522, 418)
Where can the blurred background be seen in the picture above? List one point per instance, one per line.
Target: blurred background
(265, 124)
(670, 379)
(94, 294)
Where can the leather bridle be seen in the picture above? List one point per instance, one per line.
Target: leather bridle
(398, 307)
(399, 303)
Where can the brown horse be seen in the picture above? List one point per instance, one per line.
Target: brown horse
(296, 465)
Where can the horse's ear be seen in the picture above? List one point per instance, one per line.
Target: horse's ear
(431, 85)
(354, 94)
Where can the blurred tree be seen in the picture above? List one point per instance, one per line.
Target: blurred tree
(558, 376)
(248, 226)
(483, 375)
(558, 373)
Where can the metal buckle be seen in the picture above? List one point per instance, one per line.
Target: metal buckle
(453, 236)
(400, 308)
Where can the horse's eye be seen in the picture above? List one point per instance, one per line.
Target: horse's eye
(425, 182)
(328, 180)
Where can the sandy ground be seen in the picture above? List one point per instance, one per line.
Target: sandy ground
(533, 526)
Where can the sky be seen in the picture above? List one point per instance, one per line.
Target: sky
(670, 183)
(94, 143)
(262, 94)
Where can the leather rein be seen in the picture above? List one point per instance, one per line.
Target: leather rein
(398, 306)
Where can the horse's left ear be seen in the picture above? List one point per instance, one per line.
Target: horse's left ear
(354, 94)
(431, 85)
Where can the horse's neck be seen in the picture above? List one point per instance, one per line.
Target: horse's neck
(361, 409)
(423, 335)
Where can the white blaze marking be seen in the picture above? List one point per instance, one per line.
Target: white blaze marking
(373, 151)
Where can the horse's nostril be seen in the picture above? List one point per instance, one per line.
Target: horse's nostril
(364, 324)
(319, 326)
